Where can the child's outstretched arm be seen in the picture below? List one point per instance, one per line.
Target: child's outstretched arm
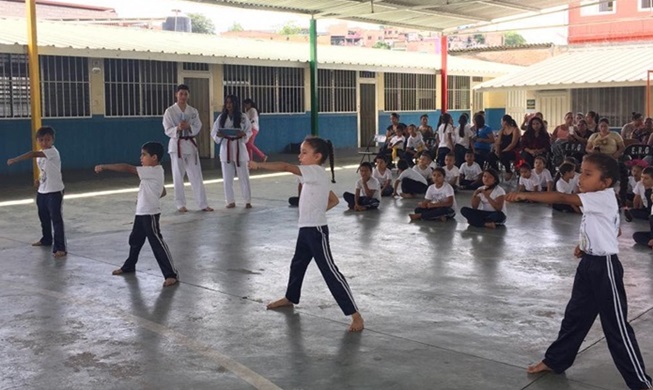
(545, 197)
(26, 156)
(333, 200)
(116, 168)
(276, 166)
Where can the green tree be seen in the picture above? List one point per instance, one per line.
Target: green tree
(236, 27)
(381, 45)
(479, 38)
(290, 28)
(513, 39)
(201, 24)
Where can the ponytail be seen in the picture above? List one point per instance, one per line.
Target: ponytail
(325, 148)
(331, 161)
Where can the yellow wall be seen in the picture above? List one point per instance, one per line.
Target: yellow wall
(96, 81)
(494, 99)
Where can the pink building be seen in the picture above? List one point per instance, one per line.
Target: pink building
(610, 21)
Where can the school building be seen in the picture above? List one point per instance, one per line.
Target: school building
(104, 88)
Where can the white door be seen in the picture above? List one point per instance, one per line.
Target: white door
(553, 105)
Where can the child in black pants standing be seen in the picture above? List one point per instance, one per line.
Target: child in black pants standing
(598, 286)
(148, 211)
(49, 198)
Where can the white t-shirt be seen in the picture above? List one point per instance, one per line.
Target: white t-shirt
(451, 174)
(397, 141)
(485, 203)
(641, 191)
(373, 185)
(382, 177)
(471, 172)
(464, 140)
(172, 117)
(50, 179)
(443, 135)
(416, 142)
(232, 149)
(427, 172)
(252, 114)
(566, 187)
(411, 174)
(544, 177)
(150, 190)
(599, 226)
(315, 196)
(530, 184)
(436, 195)
(631, 184)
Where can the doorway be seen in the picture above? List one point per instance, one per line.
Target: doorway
(200, 98)
(367, 113)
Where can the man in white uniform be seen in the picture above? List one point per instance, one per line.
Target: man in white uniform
(182, 124)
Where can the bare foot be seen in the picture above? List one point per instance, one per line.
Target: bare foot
(537, 368)
(415, 217)
(117, 272)
(169, 282)
(39, 243)
(283, 302)
(490, 225)
(207, 208)
(443, 218)
(357, 323)
(248, 206)
(59, 254)
(407, 196)
(182, 209)
(231, 205)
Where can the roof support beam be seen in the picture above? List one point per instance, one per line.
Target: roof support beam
(505, 4)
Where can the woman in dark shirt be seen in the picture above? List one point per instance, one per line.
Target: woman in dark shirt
(535, 141)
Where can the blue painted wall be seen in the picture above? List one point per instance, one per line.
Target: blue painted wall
(493, 117)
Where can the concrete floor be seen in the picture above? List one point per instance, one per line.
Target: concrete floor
(446, 306)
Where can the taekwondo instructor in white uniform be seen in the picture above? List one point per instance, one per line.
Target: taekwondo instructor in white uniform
(182, 124)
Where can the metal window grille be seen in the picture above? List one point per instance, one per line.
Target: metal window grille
(275, 90)
(459, 92)
(646, 4)
(138, 87)
(409, 92)
(195, 66)
(606, 6)
(64, 87)
(616, 104)
(364, 74)
(337, 90)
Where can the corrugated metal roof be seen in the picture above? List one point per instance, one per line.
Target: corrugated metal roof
(589, 67)
(56, 38)
(434, 15)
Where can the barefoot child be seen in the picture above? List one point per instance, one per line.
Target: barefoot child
(488, 206)
(598, 286)
(367, 194)
(313, 239)
(50, 190)
(439, 201)
(411, 182)
(148, 211)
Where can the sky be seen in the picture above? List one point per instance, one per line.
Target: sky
(225, 17)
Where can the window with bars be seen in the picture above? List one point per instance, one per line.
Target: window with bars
(646, 4)
(409, 92)
(275, 90)
(64, 86)
(594, 7)
(138, 87)
(337, 90)
(459, 92)
(616, 104)
(195, 66)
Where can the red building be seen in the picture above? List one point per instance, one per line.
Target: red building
(610, 21)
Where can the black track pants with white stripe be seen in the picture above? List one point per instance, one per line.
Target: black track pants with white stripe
(599, 290)
(147, 226)
(313, 243)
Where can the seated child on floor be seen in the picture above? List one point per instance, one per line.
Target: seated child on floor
(544, 175)
(566, 183)
(414, 144)
(368, 191)
(642, 202)
(439, 201)
(633, 179)
(471, 174)
(412, 183)
(488, 203)
(452, 173)
(527, 181)
(384, 175)
(423, 166)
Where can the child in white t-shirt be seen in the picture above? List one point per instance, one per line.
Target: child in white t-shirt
(642, 202)
(313, 239)
(367, 194)
(543, 174)
(423, 166)
(488, 206)
(411, 182)
(527, 181)
(452, 173)
(566, 184)
(598, 286)
(383, 175)
(471, 174)
(397, 143)
(439, 200)
(633, 179)
(49, 197)
(148, 211)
